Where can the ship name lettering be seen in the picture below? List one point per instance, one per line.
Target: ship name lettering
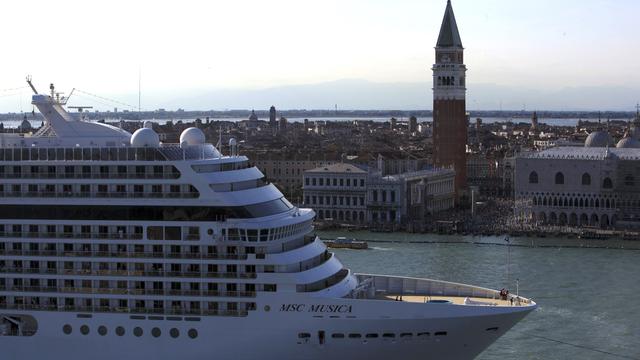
(330, 309)
(292, 308)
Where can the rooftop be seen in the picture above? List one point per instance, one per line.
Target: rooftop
(337, 168)
(585, 153)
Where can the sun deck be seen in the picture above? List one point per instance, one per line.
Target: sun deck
(455, 300)
(415, 290)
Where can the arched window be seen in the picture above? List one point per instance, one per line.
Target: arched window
(586, 179)
(607, 183)
(533, 178)
(559, 178)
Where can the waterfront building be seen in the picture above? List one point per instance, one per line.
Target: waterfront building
(337, 192)
(348, 194)
(596, 185)
(450, 120)
(410, 196)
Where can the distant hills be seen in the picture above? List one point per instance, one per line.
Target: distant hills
(361, 94)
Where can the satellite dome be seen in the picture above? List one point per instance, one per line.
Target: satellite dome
(192, 136)
(145, 137)
(232, 142)
(628, 143)
(148, 124)
(598, 139)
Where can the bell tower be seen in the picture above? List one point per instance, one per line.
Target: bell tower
(449, 101)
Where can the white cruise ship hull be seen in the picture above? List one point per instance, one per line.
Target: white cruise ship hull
(437, 331)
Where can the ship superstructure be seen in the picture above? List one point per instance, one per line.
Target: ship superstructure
(117, 246)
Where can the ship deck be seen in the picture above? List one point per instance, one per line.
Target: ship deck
(456, 300)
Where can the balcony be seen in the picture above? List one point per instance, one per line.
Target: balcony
(123, 254)
(151, 292)
(104, 309)
(131, 273)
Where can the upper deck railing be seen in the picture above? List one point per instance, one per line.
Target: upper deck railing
(166, 152)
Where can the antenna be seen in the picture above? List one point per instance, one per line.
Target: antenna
(139, 86)
(31, 85)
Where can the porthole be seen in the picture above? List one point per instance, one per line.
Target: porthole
(210, 231)
(155, 332)
(84, 330)
(337, 336)
(102, 330)
(355, 336)
(67, 329)
(174, 333)
(137, 331)
(120, 331)
(267, 308)
(371, 336)
(193, 333)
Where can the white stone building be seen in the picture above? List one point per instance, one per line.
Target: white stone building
(596, 185)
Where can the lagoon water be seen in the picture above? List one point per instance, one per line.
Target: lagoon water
(589, 298)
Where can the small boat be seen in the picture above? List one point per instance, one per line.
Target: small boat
(346, 243)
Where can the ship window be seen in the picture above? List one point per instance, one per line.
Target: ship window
(84, 330)
(304, 335)
(355, 336)
(423, 334)
(174, 333)
(406, 335)
(137, 331)
(67, 329)
(337, 336)
(492, 329)
(371, 336)
(441, 333)
(155, 332)
(120, 331)
(193, 333)
(155, 233)
(102, 330)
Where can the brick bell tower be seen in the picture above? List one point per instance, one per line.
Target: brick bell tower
(449, 106)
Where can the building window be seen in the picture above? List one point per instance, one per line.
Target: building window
(629, 180)
(559, 178)
(533, 178)
(586, 179)
(607, 183)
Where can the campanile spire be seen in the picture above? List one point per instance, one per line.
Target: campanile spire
(449, 100)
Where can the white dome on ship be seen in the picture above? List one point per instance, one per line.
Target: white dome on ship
(145, 137)
(232, 142)
(148, 124)
(598, 139)
(628, 142)
(192, 136)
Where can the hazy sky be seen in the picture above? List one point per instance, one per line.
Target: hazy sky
(191, 46)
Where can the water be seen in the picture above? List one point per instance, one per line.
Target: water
(587, 297)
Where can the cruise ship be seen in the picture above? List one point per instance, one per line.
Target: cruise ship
(117, 246)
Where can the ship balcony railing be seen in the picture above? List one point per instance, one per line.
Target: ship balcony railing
(118, 291)
(123, 254)
(62, 235)
(137, 176)
(130, 273)
(101, 194)
(110, 309)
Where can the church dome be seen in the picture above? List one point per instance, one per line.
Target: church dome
(253, 116)
(145, 137)
(598, 139)
(628, 142)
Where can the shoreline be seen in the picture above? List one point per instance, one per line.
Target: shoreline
(520, 242)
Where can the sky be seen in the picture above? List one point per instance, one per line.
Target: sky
(186, 49)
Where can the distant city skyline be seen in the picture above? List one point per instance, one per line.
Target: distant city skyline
(253, 54)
